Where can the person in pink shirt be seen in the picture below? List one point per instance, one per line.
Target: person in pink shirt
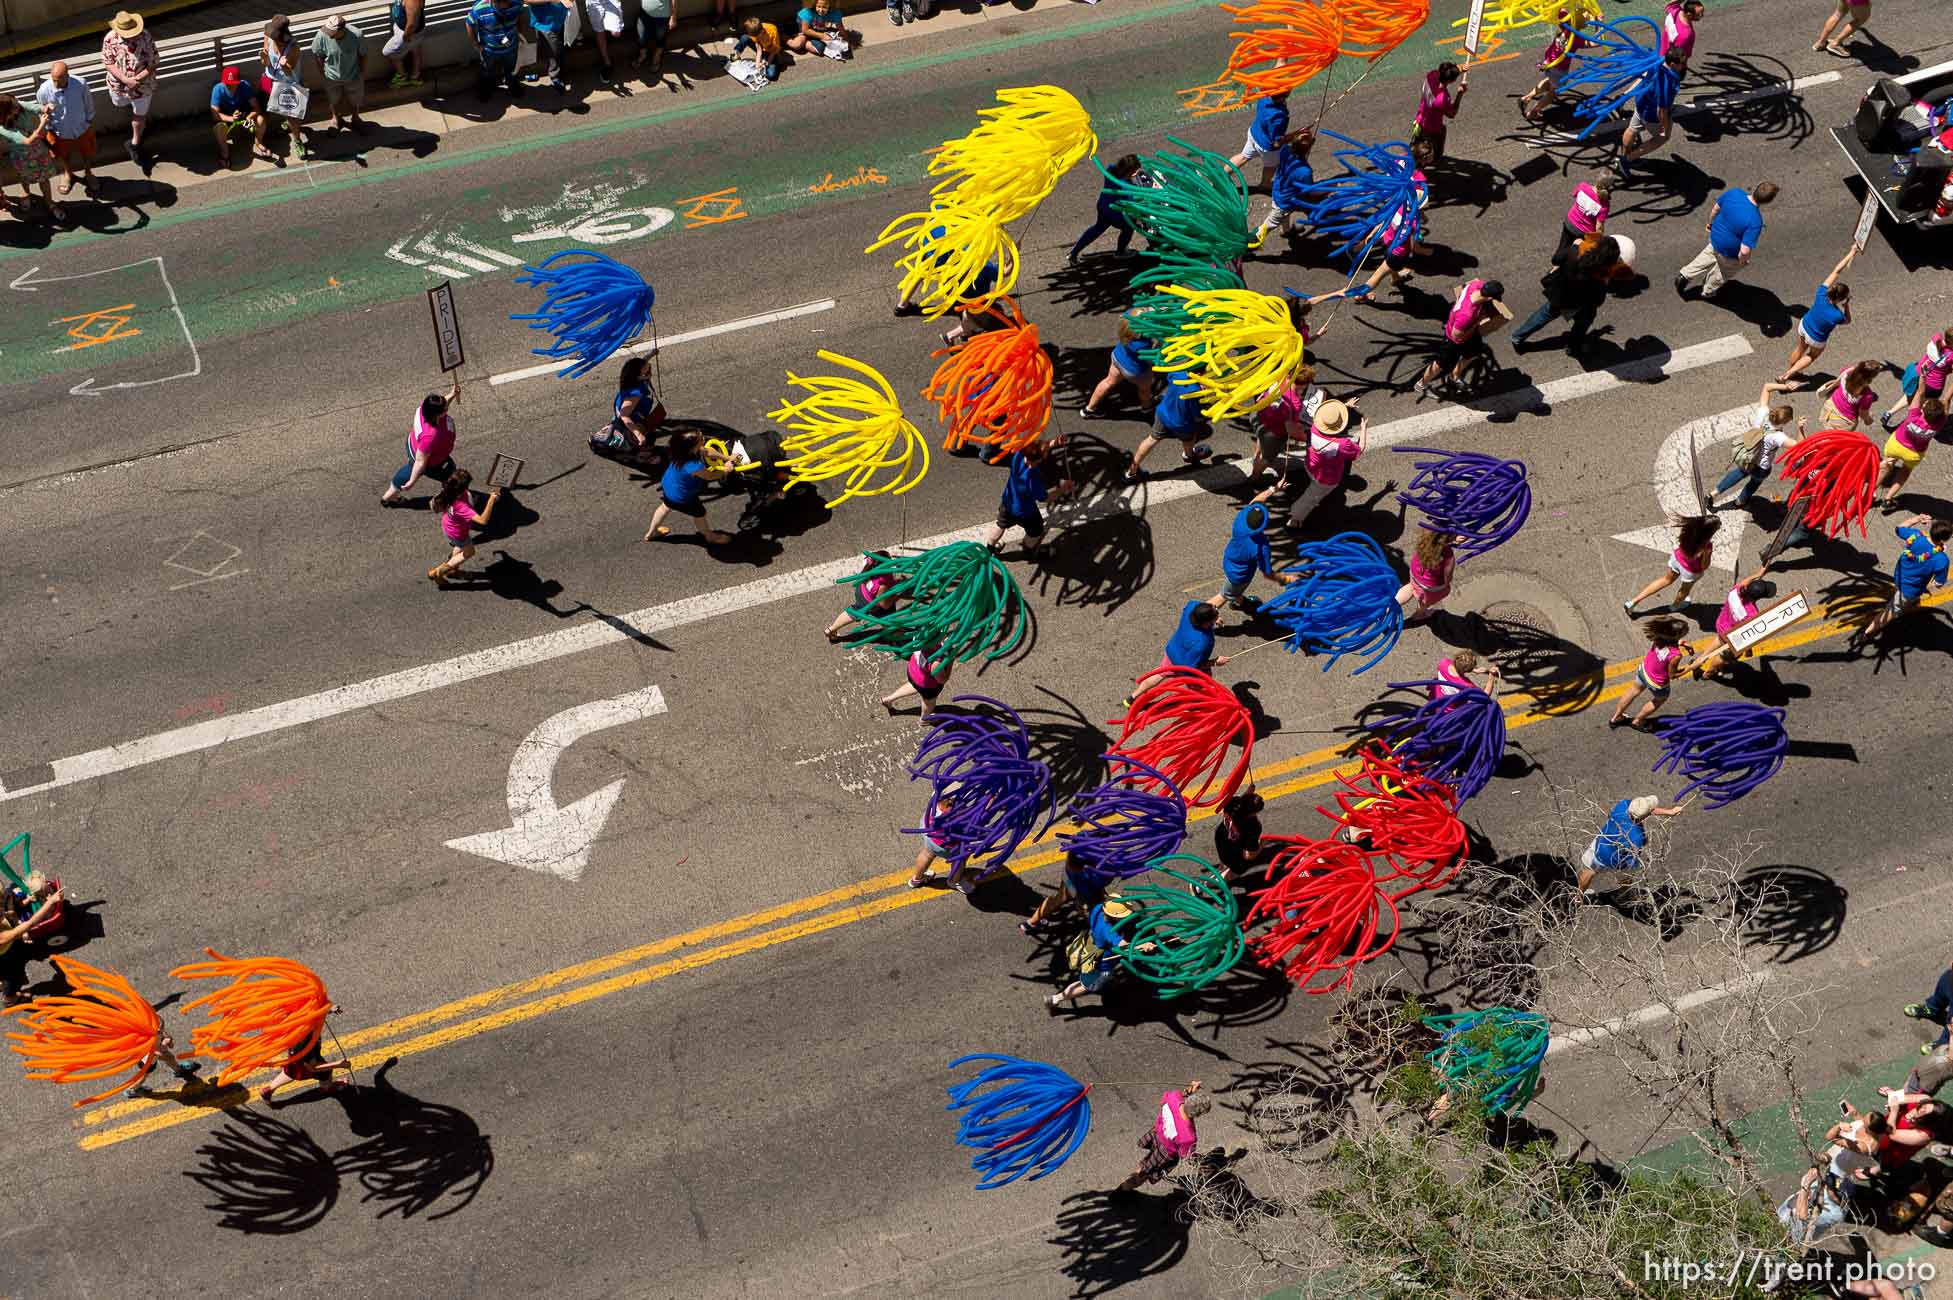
(1477, 308)
(1905, 448)
(1285, 420)
(925, 679)
(1739, 606)
(1555, 62)
(1172, 1137)
(1695, 546)
(1849, 398)
(1332, 450)
(1678, 29)
(430, 444)
(869, 597)
(1432, 564)
(1929, 373)
(1586, 215)
(1455, 673)
(1444, 90)
(458, 520)
(1656, 674)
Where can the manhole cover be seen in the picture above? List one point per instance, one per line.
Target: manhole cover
(1517, 613)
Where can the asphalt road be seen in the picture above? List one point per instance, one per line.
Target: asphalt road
(712, 1064)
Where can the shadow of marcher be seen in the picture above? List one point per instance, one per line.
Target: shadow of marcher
(1467, 182)
(417, 1154)
(1562, 678)
(1098, 282)
(1661, 187)
(1101, 561)
(1755, 305)
(1111, 1240)
(1797, 912)
(510, 516)
(269, 1178)
(514, 579)
(1738, 87)
(1067, 742)
(1665, 906)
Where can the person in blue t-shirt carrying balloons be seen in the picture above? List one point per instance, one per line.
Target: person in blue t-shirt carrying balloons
(1619, 847)
(1922, 564)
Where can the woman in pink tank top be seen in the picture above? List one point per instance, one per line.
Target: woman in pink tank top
(1848, 399)
(925, 678)
(1432, 563)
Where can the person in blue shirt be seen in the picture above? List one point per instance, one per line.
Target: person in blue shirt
(1024, 488)
(1830, 308)
(1110, 217)
(821, 31)
(496, 28)
(1265, 134)
(547, 18)
(1619, 845)
(1734, 229)
(1108, 961)
(237, 104)
(1922, 564)
(1288, 189)
(1175, 415)
(686, 474)
(1190, 646)
(1653, 115)
(1247, 554)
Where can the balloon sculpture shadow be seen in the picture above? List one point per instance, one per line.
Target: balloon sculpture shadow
(1096, 282)
(1736, 88)
(417, 1154)
(1100, 562)
(1797, 912)
(268, 1177)
(1112, 1240)
(1562, 678)
(1068, 742)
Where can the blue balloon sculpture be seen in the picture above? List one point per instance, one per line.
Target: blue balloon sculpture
(1725, 749)
(1024, 1117)
(1457, 739)
(1480, 500)
(592, 304)
(1122, 829)
(1614, 68)
(1345, 602)
(986, 791)
(1380, 181)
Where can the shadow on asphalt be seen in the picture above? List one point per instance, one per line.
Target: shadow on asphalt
(1111, 1240)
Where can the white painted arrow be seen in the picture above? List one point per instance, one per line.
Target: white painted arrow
(545, 837)
(25, 282)
(608, 226)
(397, 251)
(1674, 483)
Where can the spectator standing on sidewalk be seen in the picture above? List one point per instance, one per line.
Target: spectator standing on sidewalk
(1171, 1138)
(23, 130)
(1734, 230)
(548, 19)
(403, 47)
(70, 110)
(653, 33)
(284, 65)
(341, 52)
(606, 21)
(129, 72)
(496, 27)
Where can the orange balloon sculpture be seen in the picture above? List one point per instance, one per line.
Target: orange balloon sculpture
(105, 1029)
(269, 1015)
(1292, 41)
(1373, 29)
(996, 388)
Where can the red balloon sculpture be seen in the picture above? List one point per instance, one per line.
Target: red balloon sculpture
(1192, 720)
(1403, 817)
(1328, 912)
(1835, 470)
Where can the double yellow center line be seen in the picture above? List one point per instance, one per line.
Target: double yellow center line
(599, 977)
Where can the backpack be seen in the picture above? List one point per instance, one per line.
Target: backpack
(399, 15)
(1746, 448)
(1082, 953)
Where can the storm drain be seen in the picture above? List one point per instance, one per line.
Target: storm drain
(1518, 614)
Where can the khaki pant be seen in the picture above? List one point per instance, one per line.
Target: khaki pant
(1709, 269)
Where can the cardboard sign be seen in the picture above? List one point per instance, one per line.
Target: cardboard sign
(1769, 620)
(447, 325)
(503, 471)
(1471, 28)
(1866, 220)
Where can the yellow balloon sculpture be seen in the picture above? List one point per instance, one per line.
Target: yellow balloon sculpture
(1017, 155)
(1238, 348)
(949, 248)
(1503, 16)
(848, 429)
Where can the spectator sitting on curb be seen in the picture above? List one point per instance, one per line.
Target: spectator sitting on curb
(235, 103)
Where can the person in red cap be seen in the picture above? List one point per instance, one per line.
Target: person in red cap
(236, 104)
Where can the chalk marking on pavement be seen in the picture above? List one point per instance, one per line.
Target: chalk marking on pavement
(1649, 1015)
(684, 612)
(690, 336)
(843, 898)
(26, 283)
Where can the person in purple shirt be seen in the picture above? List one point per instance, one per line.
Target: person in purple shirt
(1734, 229)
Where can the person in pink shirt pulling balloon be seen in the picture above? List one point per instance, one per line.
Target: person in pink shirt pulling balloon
(1172, 1137)
(1478, 308)
(1555, 61)
(1332, 450)
(1432, 563)
(1455, 674)
(1655, 677)
(1849, 398)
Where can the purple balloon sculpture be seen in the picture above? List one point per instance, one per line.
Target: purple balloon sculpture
(1457, 739)
(1726, 749)
(1479, 499)
(1122, 829)
(986, 791)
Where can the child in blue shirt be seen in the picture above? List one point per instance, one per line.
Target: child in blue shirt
(1830, 308)
(1288, 189)
(1176, 415)
(820, 32)
(685, 477)
(1024, 488)
(1922, 564)
(1110, 217)
(1265, 134)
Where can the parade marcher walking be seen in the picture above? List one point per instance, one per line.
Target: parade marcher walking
(1830, 308)
(1177, 416)
(1653, 118)
(1656, 675)
(1245, 555)
(1555, 61)
(1575, 287)
(1927, 374)
(1905, 447)
(1479, 307)
(1109, 217)
(1437, 103)
(1097, 955)
(1694, 547)
(1332, 449)
(923, 678)
(1171, 1138)
(1126, 367)
(1621, 841)
(1755, 452)
(1433, 561)
(1740, 605)
(1024, 488)
(1587, 213)
(1921, 565)
(1265, 132)
(1288, 190)
(430, 444)
(689, 468)
(1734, 229)
(456, 507)
(1849, 398)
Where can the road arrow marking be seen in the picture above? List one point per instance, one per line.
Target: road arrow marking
(1674, 484)
(543, 836)
(26, 283)
(397, 251)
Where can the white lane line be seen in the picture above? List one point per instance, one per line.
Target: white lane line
(690, 336)
(1795, 86)
(547, 646)
(1651, 1014)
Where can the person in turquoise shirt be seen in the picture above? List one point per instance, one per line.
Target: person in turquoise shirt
(548, 17)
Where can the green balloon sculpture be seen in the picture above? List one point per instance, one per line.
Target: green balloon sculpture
(1181, 937)
(1493, 1055)
(951, 603)
(1192, 203)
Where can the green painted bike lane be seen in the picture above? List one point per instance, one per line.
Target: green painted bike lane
(119, 325)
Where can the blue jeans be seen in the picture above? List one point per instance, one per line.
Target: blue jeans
(1939, 1007)
(439, 473)
(1583, 320)
(770, 67)
(1104, 223)
(1736, 475)
(1828, 1214)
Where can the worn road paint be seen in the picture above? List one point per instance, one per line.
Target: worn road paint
(205, 557)
(1674, 484)
(544, 836)
(549, 646)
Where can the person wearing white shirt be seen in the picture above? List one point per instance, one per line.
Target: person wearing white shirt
(1768, 434)
(70, 108)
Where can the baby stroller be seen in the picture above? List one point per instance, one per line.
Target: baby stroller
(757, 457)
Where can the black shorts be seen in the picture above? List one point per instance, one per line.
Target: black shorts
(1032, 522)
(1450, 353)
(927, 692)
(691, 509)
(1397, 261)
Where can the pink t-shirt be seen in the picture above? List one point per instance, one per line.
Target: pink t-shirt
(1693, 565)
(1173, 1132)
(1677, 33)
(1448, 672)
(1283, 415)
(1852, 408)
(919, 675)
(1330, 457)
(458, 518)
(1915, 432)
(1734, 610)
(1432, 586)
(1588, 211)
(435, 441)
(1434, 105)
(871, 588)
(1655, 665)
(1466, 315)
(1935, 364)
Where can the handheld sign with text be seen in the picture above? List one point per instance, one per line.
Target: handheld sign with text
(1769, 620)
(503, 471)
(447, 325)
(1866, 220)
(1471, 28)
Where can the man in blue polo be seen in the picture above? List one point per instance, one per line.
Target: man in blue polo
(496, 26)
(1619, 846)
(1735, 228)
(1921, 565)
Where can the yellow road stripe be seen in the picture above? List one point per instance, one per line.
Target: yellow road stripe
(1031, 860)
